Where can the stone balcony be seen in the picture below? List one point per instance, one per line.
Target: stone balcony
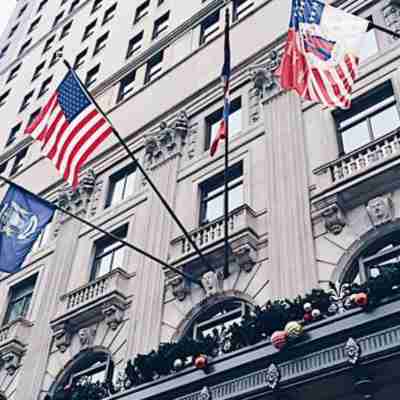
(209, 238)
(104, 298)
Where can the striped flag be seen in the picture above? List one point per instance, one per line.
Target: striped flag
(320, 61)
(70, 128)
(225, 75)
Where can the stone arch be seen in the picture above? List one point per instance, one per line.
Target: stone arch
(205, 305)
(346, 264)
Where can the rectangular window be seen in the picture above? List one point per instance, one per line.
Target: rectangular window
(25, 46)
(241, 8)
(41, 6)
(209, 28)
(101, 43)
(370, 117)
(3, 167)
(134, 44)
(122, 185)
(154, 67)
(12, 31)
(33, 116)
(160, 25)
(109, 13)
(34, 24)
(66, 30)
(89, 30)
(13, 73)
(126, 85)
(142, 11)
(45, 86)
(57, 56)
(4, 50)
(38, 70)
(22, 10)
(109, 254)
(48, 44)
(20, 298)
(96, 5)
(74, 4)
(213, 122)
(58, 18)
(212, 194)
(13, 134)
(3, 97)
(80, 59)
(19, 160)
(26, 101)
(91, 76)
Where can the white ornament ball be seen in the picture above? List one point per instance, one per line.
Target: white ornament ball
(315, 313)
(178, 364)
(307, 307)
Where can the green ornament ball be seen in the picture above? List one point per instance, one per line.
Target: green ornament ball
(294, 330)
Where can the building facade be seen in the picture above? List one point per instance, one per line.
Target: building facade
(314, 198)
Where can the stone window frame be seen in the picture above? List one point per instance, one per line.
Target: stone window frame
(212, 20)
(134, 44)
(126, 85)
(12, 137)
(161, 25)
(14, 72)
(109, 14)
(19, 159)
(121, 174)
(101, 43)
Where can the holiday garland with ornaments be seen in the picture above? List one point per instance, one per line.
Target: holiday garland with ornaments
(281, 322)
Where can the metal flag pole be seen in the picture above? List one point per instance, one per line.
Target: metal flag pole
(383, 29)
(142, 170)
(109, 234)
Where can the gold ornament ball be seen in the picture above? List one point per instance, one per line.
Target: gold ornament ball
(294, 330)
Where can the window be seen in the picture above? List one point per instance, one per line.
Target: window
(121, 186)
(13, 73)
(109, 254)
(212, 194)
(213, 122)
(126, 85)
(38, 70)
(160, 25)
(25, 46)
(80, 59)
(241, 7)
(159, 2)
(48, 44)
(100, 43)
(20, 299)
(22, 10)
(58, 18)
(63, 2)
(154, 67)
(91, 76)
(12, 31)
(3, 167)
(45, 86)
(19, 160)
(13, 134)
(57, 55)
(96, 5)
(89, 30)
(34, 24)
(142, 11)
(4, 50)
(74, 4)
(26, 101)
(370, 117)
(209, 28)
(110, 13)
(41, 6)
(3, 97)
(33, 116)
(369, 44)
(66, 30)
(134, 44)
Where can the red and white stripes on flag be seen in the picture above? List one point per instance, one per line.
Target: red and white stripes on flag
(70, 128)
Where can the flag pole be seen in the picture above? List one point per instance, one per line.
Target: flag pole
(109, 234)
(226, 158)
(383, 29)
(146, 176)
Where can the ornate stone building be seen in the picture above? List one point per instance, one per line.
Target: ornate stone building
(314, 198)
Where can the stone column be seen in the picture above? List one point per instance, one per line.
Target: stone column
(163, 151)
(292, 263)
(55, 278)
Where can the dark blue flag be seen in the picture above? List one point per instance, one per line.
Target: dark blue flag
(23, 216)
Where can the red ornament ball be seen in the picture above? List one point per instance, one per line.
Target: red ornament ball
(307, 317)
(200, 361)
(361, 299)
(279, 339)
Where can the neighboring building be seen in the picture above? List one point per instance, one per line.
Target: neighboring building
(314, 197)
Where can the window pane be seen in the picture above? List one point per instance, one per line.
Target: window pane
(118, 192)
(369, 45)
(130, 185)
(103, 265)
(355, 137)
(235, 197)
(118, 258)
(385, 122)
(214, 208)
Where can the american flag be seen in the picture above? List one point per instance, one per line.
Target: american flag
(320, 61)
(225, 75)
(70, 128)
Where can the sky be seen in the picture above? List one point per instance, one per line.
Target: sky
(7, 6)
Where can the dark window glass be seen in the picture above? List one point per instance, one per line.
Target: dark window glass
(126, 86)
(154, 67)
(25, 46)
(38, 70)
(91, 76)
(74, 4)
(58, 18)
(3, 97)
(57, 56)
(19, 160)
(13, 134)
(213, 122)
(109, 254)
(89, 30)
(33, 116)
(370, 117)
(34, 24)
(160, 25)
(209, 27)
(80, 59)
(122, 185)
(12, 31)
(48, 44)
(101, 43)
(66, 30)
(20, 298)
(159, 2)
(3, 167)
(13, 73)
(142, 11)
(45, 86)
(241, 7)
(212, 194)
(22, 10)
(134, 44)
(109, 13)
(96, 5)
(41, 5)
(4, 50)
(26, 101)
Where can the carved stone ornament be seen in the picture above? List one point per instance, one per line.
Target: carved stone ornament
(205, 393)
(11, 362)
(86, 337)
(334, 219)
(245, 257)
(273, 376)
(113, 316)
(62, 339)
(179, 288)
(211, 282)
(353, 351)
(380, 210)
(391, 14)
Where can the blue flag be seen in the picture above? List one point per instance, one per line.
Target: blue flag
(23, 216)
